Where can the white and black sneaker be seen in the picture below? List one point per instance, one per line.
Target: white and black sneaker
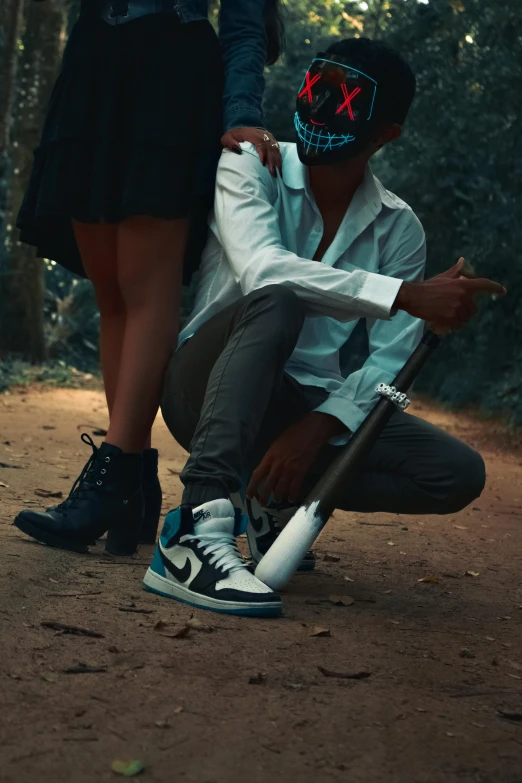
(197, 562)
(264, 525)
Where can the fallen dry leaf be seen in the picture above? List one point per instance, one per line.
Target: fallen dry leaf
(472, 573)
(48, 677)
(198, 625)
(390, 543)
(162, 628)
(341, 600)
(460, 527)
(331, 558)
(431, 578)
(4, 485)
(48, 493)
(347, 579)
(490, 638)
(128, 768)
(318, 630)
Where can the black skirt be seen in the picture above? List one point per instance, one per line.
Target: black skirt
(133, 128)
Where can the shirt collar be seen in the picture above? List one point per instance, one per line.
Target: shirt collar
(295, 176)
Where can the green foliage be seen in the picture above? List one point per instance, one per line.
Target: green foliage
(458, 164)
(16, 373)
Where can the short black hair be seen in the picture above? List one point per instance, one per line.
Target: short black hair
(396, 81)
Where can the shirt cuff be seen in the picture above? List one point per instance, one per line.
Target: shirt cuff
(241, 115)
(378, 294)
(348, 414)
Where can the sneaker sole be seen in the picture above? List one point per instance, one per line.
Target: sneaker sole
(44, 537)
(155, 583)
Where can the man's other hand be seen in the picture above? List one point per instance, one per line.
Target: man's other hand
(447, 300)
(290, 457)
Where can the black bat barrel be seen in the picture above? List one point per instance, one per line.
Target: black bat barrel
(344, 470)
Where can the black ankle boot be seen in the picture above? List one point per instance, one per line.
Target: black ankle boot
(106, 496)
(152, 497)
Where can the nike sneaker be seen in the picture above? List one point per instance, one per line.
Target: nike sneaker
(264, 525)
(197, 562)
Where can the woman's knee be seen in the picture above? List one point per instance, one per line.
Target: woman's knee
(108, 297)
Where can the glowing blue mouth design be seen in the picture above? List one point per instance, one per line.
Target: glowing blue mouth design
(319, 141)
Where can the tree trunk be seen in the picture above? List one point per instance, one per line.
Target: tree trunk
(11, 13)
(22, 281)
(11, 25)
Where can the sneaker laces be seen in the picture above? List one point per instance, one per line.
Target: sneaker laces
(85, 481)
(222, 547)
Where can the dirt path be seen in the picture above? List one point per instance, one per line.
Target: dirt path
(248, 701)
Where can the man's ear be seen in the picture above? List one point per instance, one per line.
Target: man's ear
(388, 133)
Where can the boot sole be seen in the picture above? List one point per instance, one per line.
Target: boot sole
(45, 537)
(157, 584)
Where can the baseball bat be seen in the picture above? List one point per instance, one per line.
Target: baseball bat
(296, 538)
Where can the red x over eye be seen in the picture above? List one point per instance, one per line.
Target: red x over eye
(309, 83)
(348, 98)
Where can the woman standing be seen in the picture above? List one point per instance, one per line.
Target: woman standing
(127, 157)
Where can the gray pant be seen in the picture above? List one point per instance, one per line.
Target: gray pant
(227, 397)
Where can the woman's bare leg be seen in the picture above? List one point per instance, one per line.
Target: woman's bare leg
(150, 256)
(98, 246)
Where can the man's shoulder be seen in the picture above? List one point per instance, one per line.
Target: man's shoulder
(391, 200)
(250, 161)
(405, 218)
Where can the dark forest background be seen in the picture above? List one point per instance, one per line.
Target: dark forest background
(458, 164)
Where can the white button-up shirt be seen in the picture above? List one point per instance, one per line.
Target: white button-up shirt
(266, 231)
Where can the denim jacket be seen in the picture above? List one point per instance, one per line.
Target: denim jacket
(243, 44)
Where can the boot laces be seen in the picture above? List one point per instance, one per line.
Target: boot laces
(222, 547)
(87, 481)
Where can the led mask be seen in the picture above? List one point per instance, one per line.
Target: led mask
(334, 112)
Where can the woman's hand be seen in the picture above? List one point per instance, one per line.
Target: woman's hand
(264, 142)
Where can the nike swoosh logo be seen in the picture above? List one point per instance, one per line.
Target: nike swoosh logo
(181, 574)
(257, 522)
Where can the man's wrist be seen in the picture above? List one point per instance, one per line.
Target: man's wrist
(327, 426)
(403, 298)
